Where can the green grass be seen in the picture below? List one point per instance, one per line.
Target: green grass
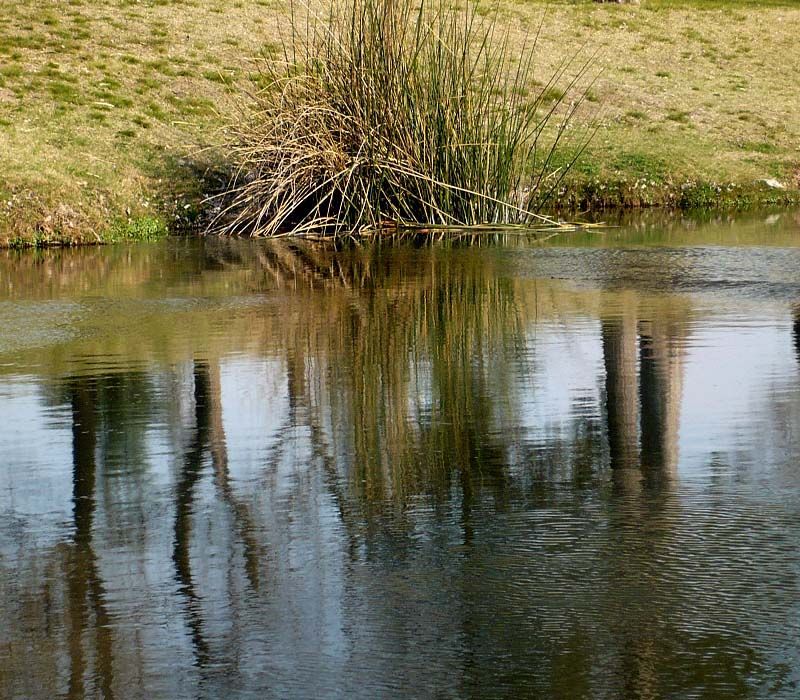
(677, 115)
(640, 165)
(145, 228)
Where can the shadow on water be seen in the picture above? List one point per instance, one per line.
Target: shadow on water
(380, 472)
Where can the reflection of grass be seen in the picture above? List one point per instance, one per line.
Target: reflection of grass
(407, 360)
(389, 333)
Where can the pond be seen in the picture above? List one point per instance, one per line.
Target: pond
(266, 469)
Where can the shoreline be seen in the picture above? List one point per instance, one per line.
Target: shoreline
(587, 198)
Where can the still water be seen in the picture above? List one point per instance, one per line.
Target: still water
(234, 469)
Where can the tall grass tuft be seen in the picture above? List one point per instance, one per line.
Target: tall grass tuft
(393, 113)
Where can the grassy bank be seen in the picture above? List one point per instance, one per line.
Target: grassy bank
(108, 109)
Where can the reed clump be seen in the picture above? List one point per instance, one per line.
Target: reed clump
(395, 113)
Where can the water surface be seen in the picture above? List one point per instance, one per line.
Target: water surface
(241, 469)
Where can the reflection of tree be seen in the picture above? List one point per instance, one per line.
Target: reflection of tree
(85, 590)
(643, 444)
(643, 425)
(208, 382)
(404, 382)
(622, 406)
(107, 438)
(208, 439)
(661, 355)
(190, 474)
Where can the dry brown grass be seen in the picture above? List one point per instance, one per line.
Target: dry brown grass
(102, 101)
(691, 91)
(394, 111)
(104, 105)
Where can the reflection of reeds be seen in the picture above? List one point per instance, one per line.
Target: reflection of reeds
(418, 368)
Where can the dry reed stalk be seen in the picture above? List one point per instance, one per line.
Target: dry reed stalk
(391, 113)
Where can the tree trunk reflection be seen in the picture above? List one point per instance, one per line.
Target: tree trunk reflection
(87, 609)
(622, 405)
(190, 474)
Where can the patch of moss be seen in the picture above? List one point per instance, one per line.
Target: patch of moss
(143, 228)
(637, 164)
(675, 115)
